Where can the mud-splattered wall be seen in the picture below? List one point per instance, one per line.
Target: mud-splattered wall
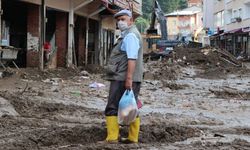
(33, 35)
(32, 42)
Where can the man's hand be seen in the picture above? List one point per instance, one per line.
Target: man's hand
(128, 84)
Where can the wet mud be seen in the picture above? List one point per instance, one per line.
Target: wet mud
(187, 104)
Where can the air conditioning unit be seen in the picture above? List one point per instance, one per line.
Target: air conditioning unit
(233, 20)
(238, 19)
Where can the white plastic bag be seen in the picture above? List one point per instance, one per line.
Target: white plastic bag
(127, 110)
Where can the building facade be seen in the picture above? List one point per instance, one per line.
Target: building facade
(184, 23)
(232, 26)
(208, 15)
(65, 32)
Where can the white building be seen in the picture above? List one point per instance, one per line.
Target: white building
(232, 25)
(208, 15)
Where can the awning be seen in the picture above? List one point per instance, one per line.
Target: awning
(214, 36)
(224, 33)
(246, 29)
(235, 31)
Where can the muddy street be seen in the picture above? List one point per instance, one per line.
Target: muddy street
(188, 109)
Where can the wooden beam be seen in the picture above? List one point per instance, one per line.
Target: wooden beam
(96, 12)
(82, 4)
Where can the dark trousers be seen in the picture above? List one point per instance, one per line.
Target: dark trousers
(117, 88)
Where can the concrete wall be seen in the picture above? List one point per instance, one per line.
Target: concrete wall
(61, 38)
(33, 35)
(183, 24)
(172, 26)
(237, 25)
(33, 28)
(218, 5)
(228, 6)
(186, 24)
(80, 34)
(236, 5)
(208, 16)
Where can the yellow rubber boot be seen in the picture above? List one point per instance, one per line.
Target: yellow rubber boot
(112, 128)
(134, 128)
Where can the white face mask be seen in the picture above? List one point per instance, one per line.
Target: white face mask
(122, 25)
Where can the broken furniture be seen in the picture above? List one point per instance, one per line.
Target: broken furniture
(8, 54)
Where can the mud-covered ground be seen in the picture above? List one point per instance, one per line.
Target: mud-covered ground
(187, 109)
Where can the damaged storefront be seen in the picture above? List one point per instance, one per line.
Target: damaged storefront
(61, 33)
(235, 41)
(14, 28)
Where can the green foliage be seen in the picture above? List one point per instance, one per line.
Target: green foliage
(182, 4)
(147, 6)
(167, 6)
(141, 24)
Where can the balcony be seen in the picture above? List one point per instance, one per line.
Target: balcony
(237, 19)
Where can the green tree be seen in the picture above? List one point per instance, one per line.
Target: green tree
(141, 24)
(183, 4)
(167, 6)
(147, 6)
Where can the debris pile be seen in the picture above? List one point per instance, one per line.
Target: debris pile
(229, 92)
(205, 56)
(214, 63)
(7, 72)
(163, 70)
(93, 69)
(38, 75)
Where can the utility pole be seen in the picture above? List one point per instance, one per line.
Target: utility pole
(42, 33)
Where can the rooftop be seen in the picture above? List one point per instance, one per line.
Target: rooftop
(187, 11)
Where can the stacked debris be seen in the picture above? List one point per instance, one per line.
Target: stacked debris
(6, 73)
(229, 93)
(214, 63)
(161, 70)
(49, 74)
(93, 69)
(205, 56)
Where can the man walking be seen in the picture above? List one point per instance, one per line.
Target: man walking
(125, 71)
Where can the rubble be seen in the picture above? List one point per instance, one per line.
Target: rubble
(6, 109)
(6, 73)
(84, 73)
(206, 56)
(173, 85)
(183, 107)
(161, 70)
(215, 63)
(96, 85)
(53, 81)
(229, 92)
